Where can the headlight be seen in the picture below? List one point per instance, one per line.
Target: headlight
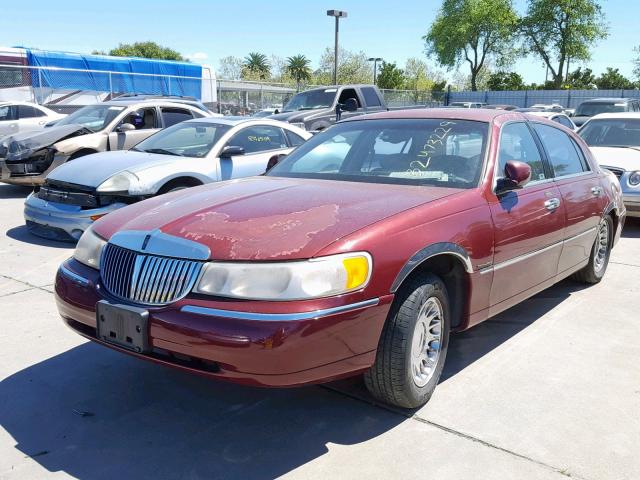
(89, 249)
(634, 179)
(318, 277)
(120, 182)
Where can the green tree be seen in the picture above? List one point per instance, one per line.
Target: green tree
(390, 76)
(256, 67)
(612, 79)
(472, 31)
(636, 63)
(505, 81)
(559, 31)
(353, 67)
(230, 68)
(145, 50)
(299, 68)
(582, 79)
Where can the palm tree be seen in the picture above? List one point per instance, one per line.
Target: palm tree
(256, 64)
(298, 68)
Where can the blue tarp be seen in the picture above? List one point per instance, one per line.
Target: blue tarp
(119, 82)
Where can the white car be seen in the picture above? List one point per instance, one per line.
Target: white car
(24, 117)
(187, 154)
(558, 117)
(614, 139)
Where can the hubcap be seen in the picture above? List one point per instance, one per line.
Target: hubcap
(427, 339)
(602, 247)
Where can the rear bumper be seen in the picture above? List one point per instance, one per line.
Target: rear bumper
(278, 349)
(54, 220)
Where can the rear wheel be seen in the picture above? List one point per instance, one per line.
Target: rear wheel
(413, 345)
(600, 252)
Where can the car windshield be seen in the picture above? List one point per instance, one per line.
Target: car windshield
(591, 109)
(322, 98)
(612, 132)
(93, 117)
(440, 152)
(187, 139)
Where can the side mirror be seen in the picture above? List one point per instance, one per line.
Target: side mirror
(125, 127)
(231, 151)
(350, 105)
(516, 175)
(273, 161)
(276, 111)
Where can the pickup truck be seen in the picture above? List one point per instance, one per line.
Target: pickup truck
(315, 110)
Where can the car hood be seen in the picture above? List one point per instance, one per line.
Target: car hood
(23, 145)
(269, 218)
(92, 170)
(620, 157)
(297, 116)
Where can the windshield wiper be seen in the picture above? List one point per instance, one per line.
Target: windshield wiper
(161, 151)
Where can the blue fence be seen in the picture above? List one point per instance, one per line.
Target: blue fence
(526, 98)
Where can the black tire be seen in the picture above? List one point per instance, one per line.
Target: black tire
(391, 378)
(176, 185)
(597, 266)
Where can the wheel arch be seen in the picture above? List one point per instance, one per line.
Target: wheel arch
(186, 181)
(452, 264)
(81, 152)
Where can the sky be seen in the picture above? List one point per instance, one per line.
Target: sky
(207, 30)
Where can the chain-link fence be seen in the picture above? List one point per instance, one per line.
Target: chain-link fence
(65, 90)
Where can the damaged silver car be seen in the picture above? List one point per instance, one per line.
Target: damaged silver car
(27, 158)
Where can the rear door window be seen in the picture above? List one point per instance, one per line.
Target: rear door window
(561, 151)
(173, 115)
(562, 120)
(7, 112)
(259, 138)
(27, 111)
(294, 138)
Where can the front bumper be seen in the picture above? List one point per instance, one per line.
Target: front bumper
(632, 202)
(254, 343)
(60, 221)
(19, 174)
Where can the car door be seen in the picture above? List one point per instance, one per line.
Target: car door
(582, 196)
(146, 123)
(371, 99)
(260, 143)
(351, 93)
(8, 119)
(529, 222)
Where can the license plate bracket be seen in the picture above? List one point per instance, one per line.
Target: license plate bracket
(123, 325)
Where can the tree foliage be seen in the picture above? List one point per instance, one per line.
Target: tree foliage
(256, 67)
(230, 68)
(636, 63)
(559, 30)
(581, 79)
(390, 76)
(145, 50)
(353, 67)
(472, 31)
(299, 68)
(505, 81)
(612, 79)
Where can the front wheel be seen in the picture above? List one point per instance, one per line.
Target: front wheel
(600, 252)
(413, 345)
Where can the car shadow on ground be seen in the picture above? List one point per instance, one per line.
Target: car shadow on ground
(22, 234)
(94, 413)
(631, 228)
(14, 191)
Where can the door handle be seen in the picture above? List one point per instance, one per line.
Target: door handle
(552, 204)
(596, 191)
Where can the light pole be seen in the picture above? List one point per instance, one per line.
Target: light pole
(337, 14)
(375, 61)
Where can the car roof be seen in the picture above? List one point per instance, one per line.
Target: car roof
(147, 102)
(620, 115)
(609, 100)
(232, 121)
(478, 114)
(545, 114)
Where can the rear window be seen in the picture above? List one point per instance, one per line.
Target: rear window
(591, 109)
(438, 152)
(611, 132)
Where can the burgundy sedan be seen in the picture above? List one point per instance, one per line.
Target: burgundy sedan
(358, 253)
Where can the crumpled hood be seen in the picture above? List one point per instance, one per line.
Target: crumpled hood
(620, 157)
(23, 145)
(268, 218)
(92, 170)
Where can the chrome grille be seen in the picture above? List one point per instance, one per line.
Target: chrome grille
(146, 279)
(616, 171)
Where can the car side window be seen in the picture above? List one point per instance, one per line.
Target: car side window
(371, 97)
(294, 138)
(349, 93)
(562, 120)
(7, 113)
(173, 115)
(517, 143)
(561, 151)
(27, 111)
(259, 138)
(142, 119)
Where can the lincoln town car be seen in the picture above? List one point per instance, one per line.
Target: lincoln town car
(358, 253)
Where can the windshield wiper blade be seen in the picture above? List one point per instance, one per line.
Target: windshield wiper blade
(161, 151)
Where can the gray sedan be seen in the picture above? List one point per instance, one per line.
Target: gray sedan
(190, 153)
